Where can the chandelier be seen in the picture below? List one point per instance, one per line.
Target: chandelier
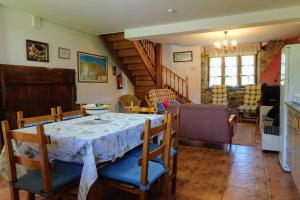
(226, 45)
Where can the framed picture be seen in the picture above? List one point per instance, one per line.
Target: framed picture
(185, 56)
(37, 51)
(64, 53)
(92, 68)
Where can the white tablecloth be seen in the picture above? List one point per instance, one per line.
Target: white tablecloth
(88, 141)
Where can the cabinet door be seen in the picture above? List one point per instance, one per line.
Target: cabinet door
(296, 163)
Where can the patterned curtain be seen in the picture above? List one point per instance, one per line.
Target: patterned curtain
(241, 49)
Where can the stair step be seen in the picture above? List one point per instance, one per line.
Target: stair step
(126, 44)
(127, 52)
(136, 66)
(139, 73)
(132, 59)
(144, 83)
(142, 78)
(115, 37)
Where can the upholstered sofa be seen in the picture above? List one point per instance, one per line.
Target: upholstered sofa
(208, 123)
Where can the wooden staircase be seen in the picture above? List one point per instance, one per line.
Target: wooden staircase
(176, 83)
(140, 60)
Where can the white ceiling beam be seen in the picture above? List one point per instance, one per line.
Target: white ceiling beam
(259, 18)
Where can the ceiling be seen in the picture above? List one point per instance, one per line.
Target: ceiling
(106, 16)
(243, 35)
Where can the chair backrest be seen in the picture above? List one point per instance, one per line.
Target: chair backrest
(137, 109)
(68, 115)
(38, 138)
(219, 95)
(155, 96)
(163, 150)
(32, 121)
(252, 95)
(175, 128)
(127, 99)
(205, 122)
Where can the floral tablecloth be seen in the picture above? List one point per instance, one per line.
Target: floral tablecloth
(88, 141)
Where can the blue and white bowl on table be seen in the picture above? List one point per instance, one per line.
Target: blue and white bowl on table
(97, 109)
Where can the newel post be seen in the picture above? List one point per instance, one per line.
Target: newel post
(158, 65)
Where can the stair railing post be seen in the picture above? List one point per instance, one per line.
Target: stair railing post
(187, 88)
(158, 65)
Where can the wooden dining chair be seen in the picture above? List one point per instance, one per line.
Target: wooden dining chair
(137, 175)
(174, 141)
(46, 179)
(33, 121)
(137, 109)
(62, 116)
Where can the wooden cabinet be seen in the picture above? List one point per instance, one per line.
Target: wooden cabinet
(294, 144)
(35, 90)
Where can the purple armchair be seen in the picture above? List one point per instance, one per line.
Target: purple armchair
(210, 123)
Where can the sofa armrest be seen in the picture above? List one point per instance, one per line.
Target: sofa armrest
(232, 123)
(232, 119)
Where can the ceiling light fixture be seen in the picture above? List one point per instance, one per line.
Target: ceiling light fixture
(171, 10)
(226, 45)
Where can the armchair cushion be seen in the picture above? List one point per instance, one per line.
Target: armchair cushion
(251, 99)
(245, 108)
(219, 95)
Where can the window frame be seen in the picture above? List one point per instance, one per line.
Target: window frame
(239, 70)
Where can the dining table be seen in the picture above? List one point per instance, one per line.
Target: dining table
(88, 141)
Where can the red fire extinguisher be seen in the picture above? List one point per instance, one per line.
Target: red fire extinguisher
(119, 81)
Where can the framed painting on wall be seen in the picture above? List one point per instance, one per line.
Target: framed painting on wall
(92, 68)
(37, 51)
(64, 53)
(184, 56)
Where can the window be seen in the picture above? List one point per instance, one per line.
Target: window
(233, 71)
(248, 70)
(215, 71)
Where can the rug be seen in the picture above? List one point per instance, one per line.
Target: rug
(245, 134)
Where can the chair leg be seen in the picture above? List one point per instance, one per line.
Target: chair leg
(143, 195)
(174, 177)
(14, 193)
(31, 196)
(166, 186)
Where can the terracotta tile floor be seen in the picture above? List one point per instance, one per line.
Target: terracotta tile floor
(209, 172)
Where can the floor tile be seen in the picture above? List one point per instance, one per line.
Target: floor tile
(234, 193)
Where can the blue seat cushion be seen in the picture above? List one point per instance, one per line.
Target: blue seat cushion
(37, 123)
(64, 173)
(71, 117)
(127, 170)
(138, 151)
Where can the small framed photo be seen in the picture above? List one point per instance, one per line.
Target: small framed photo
(184, 56)
(37, 51)
(64, 53)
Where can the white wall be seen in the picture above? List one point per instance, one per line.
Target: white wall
(16, 27)
(190, 69)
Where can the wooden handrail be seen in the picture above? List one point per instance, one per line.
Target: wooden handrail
(145, 52)
(175, 82)
(149, 48)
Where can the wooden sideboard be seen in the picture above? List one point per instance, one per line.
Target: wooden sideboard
(34, 90)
